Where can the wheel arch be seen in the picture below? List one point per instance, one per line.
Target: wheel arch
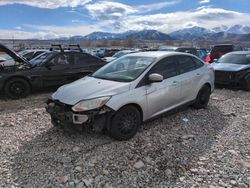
(136, 106)
(209, 85)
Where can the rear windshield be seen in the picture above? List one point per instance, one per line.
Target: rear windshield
(242, 59)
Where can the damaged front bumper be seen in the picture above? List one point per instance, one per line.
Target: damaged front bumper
(62, 114)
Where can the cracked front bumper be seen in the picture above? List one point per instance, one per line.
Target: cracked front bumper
(62, 114)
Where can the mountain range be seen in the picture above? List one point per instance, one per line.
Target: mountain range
(237, 32)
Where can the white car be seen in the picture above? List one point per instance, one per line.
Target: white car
(118, 55)
(131, 90)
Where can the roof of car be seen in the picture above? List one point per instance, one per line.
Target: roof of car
(34, 50)
(241, 52)
(157, 54)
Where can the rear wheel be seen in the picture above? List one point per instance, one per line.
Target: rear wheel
(125, 123)
(17, 88)
(202, 98)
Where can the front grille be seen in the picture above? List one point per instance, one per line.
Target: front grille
(223, 76)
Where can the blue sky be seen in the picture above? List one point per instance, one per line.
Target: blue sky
(58, 18)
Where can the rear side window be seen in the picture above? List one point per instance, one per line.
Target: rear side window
(197, 62)
(186, 64)
(166, 67)
(82, 58)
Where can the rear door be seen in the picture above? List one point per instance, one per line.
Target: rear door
(190, 75)
(166, 94)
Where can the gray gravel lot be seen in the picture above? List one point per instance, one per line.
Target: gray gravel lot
(191, 148)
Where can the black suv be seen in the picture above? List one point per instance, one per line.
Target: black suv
(50, 69)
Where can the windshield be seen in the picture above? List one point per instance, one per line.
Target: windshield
(125, 69)
(242, 59)
(120, 54)
(42, 58)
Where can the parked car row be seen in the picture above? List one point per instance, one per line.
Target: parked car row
(134, 87)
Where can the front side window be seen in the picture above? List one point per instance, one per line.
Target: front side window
(125, 69)
(166, 67)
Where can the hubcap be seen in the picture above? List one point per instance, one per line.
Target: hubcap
(17, 88)
(127, 122)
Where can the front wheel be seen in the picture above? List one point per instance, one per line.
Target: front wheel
(125, 123)
(17, 88)
(202, 98)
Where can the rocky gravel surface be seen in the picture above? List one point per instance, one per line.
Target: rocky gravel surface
(190, 148)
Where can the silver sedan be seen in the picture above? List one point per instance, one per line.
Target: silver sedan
(131, 90)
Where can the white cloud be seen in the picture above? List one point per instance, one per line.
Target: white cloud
(48, 32)
(113, 12)
(204, 1)
(169, 22)
(51, 4)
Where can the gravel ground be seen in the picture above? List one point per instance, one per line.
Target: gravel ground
(191, 148)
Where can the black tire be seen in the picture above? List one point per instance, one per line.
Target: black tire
(202, 98)
(125, 123)
(247, 81)
(17, 88)
(55, 122)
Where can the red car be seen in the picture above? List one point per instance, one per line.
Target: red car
(218, 51)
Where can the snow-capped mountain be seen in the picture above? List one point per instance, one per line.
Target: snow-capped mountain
(139, 35)
(235, 29)
(192, 33)
(200, 33)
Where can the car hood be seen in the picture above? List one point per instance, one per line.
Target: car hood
(12, 54)
(88, 88)
(229, 67)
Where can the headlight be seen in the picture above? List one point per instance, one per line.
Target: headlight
(90, 104)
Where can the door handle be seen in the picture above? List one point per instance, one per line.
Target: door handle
(174, 83)
(198, 74)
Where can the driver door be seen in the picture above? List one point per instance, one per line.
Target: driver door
(166, 94)
(57, 71)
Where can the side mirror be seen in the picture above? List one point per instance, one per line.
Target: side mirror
(155, 77)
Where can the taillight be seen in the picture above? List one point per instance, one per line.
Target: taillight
(208, 59)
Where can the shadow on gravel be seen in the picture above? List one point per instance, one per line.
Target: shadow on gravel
(168, 146)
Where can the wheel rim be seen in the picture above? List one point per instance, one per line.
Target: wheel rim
(17, 89)
(128, 122)
(204, 96)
